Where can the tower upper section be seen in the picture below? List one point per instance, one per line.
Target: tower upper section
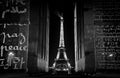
(61, 42)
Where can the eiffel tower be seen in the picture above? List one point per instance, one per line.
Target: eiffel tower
(61, 62)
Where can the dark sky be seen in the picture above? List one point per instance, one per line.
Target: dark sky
(67, 9)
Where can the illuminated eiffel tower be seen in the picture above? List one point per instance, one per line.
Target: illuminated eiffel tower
(61, 62)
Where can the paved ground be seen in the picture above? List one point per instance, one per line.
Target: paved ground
(25, 75)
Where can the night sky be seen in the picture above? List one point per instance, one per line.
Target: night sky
(67, 9)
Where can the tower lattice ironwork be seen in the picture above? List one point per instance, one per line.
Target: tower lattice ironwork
(61, 62)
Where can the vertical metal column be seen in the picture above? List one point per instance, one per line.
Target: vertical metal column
(82, 37)
(43, 39)
(75, 38)
(79, 38)
(47, 41)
